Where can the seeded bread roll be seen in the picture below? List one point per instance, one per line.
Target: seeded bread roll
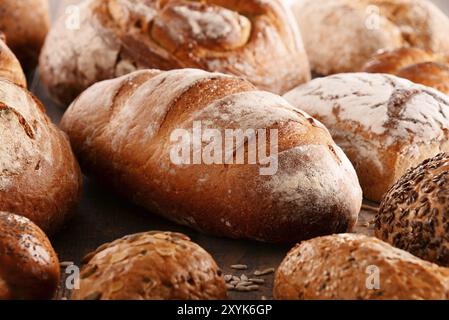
(150, 266)
(29, 267)
(39, 175)
(121, 130)
(341, 35)
(384, 124)
(9, 65)
(414, 215)
(254, 39)
(417, 65)
(351, 266)
(25, 24)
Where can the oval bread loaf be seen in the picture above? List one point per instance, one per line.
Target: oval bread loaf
(414, 214)
(39, 175)
(9, 66)
(350, 266)
(25, 24)
(29, 267)
(384, 124)
(121, 131)
(360, 28)
(257, 40)
(150, 266)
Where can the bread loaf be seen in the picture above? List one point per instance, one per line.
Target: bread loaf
(29, 267)
(384, 124)
(417, 65)
(350, 266)
(150, 266)
(341, 35)
(414, 213)
(121, 131)
(257, 40)
(25, 24)
(10, 68)
(39, 176)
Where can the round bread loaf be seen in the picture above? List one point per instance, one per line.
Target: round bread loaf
(125, 131)
(341, 35)
(414, 215)
(350, 266)
(29, 267)
(417, 65)
(254, 39)
(150, 266)
(25, 24)
(9, 66)
(384, 124)
(39, 175)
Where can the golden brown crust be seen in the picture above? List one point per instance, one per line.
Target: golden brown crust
(414, 214)
(417, 65)
(9, 65)
(150, 266)
(29, 267)
(39, 175)
(120, 130)
(25, 24)
(252, 39)
(346, 266)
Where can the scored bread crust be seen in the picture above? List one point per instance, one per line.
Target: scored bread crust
(341, 35)
(384, 124)
(254, 39)
(414, 214)
(151, 266)
(120, 130)
(25, 24)
(417, 65)
(341, 267)
(9, 65)
(39, 175)
(29, 266)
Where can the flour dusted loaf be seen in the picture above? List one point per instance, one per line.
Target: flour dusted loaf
(29, 267)
(384, 124)
(414, 215)
(39, 176)
(341, 35)
(120, 130)
(255, 39)
(25, 24)
(10, 68)
(351, 266)
(417, 65)
(150, 266)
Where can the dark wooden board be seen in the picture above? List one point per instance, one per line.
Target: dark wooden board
(103, 217)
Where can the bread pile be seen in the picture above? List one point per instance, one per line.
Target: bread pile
(145, 80)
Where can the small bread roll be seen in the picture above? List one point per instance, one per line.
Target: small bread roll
(414, 215)
(29, 267)
(351, 266)
(150, 266)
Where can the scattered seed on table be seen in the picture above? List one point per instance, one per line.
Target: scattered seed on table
(235, 278)
(239, 267)
(265, 272)
(244, 277)
(230, 286)
(257, 281)
(234, 282)
(245, 283)
(228, 277)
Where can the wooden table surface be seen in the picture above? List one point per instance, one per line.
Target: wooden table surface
(103, 217)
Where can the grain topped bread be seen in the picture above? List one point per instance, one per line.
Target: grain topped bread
(384, 124)
(341, 35)
(414, 214)
(120, 130)
(353, 266)
(150, 266)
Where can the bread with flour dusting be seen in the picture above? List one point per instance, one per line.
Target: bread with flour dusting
(341, 35)
(384, 124)
(39, 175)
(9, 65)
(120, 130)
(255, 39)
